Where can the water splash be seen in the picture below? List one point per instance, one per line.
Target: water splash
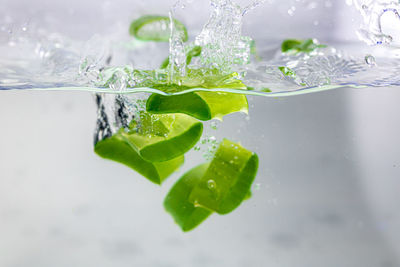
(115, 112)
(54, 64)
(223, 45)
(372, 12)
(221, 39)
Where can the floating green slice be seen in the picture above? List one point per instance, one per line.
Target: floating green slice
(160, 138)
(116, 149)
(227, 180)
(297, 46)
(156, 28)
(201, 105)
(185, 214)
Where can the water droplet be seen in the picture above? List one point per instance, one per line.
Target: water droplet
(211, 184)
(257, 186)
(214, 125)
(197, 148)
(370, 60)
(212, 139)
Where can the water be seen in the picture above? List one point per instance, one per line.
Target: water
(324, 195)
(36, 59)
(314, 202)
(372, 11)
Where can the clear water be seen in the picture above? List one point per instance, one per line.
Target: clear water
(325, 195)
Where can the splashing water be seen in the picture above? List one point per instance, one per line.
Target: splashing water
(105, 65)
(221, 38)
(372, 12)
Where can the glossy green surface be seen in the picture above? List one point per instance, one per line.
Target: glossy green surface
(184, 212)
(227, 180)
(201, 105)
(117, 149)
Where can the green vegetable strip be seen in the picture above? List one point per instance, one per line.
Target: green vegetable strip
(185, 214)
(201, 105)
(156, 28)
(116, 149)
(228, 179)
(184, 133)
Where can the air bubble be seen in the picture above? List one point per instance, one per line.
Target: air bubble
(212, 139)
(370, 60)
(214, 125)
(211, 184)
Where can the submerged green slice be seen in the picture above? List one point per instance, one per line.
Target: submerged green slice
(163, 137)
(297, 46)
(227, 180)
(116, 149)
(201, 105)
(156, 28)
(185, 213)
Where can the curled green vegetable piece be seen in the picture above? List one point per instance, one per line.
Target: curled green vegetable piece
(163, 137)
(117, 149)
(201, 105)
(228, 179)
(185, 214)
(156, 28)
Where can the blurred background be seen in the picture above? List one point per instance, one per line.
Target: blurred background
(276, 19)
(326, 193)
